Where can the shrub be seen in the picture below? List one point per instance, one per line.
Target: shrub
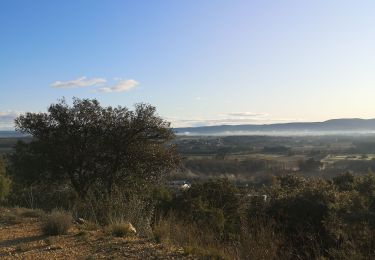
(57, 223)
(122, 229)
(119, 206)
(212, 205)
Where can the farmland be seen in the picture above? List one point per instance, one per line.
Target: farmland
(245, 158)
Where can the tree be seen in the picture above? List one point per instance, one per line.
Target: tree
(86, 143)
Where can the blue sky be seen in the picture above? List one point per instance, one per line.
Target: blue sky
(200, 62)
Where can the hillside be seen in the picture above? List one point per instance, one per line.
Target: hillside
(332, 126)
(21, 238)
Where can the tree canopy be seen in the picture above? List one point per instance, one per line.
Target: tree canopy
(85, 143)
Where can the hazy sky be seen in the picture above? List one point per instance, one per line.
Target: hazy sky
(198, 61)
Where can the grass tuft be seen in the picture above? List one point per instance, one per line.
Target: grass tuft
(57, 223)
(121, 229)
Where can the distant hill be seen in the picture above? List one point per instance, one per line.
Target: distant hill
(8, 134)
(333, 126)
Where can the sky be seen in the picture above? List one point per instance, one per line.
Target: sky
(200, 62)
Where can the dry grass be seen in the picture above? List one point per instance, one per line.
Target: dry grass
(14, 215)
(30, 213)
(83, 235)
(9, 218)
(89, 226)
(121, 229)
(57, 223)
(192, 239)
(258, 240)
(25, 240)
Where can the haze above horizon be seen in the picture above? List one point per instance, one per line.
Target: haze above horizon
(199, 62)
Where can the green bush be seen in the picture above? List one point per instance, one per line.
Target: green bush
(303, 218)
(212, 205)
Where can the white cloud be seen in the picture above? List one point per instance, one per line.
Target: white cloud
(7, 119)
(78, 83)
(247, 114)
(198, 98)
(121, 86)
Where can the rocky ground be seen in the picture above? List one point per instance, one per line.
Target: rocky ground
(21, 238)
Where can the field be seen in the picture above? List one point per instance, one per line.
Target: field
(243, 158)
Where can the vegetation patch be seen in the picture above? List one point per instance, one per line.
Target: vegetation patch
(9, 218)
(31, 213)
(57, 223)
(122, 229)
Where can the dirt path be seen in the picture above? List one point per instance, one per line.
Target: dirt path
(21, 238)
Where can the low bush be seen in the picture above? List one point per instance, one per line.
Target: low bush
(122, 229)
(57, 223)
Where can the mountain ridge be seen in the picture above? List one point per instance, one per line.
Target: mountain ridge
(331, 125)
(344, 125)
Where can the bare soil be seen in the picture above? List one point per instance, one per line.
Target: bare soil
(21, 238)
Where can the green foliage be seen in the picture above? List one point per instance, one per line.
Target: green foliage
(85, 143)
(300, 209)
(325, 218)
(162, 198)
(42, 195)
(212, 205)
(303, 218)
(345, 182)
